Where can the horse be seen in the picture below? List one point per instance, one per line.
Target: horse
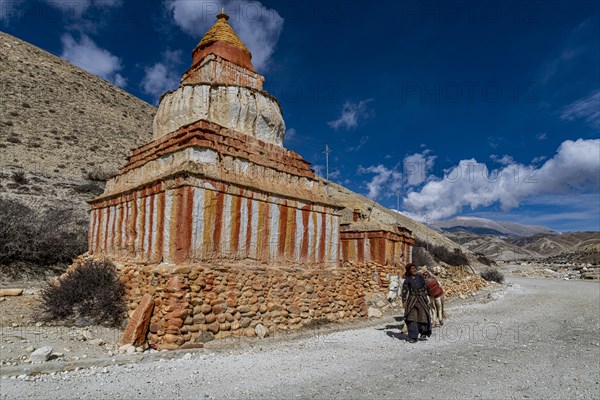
(436, 304)
(437, 297)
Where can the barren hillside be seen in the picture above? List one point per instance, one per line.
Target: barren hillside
(567, 245)
(60, 125)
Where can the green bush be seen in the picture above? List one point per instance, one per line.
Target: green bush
(91, 290)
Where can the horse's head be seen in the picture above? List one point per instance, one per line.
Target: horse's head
(393, 288)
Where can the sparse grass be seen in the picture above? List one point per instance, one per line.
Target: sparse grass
(492, 275)
(91, 290)
(20, 178)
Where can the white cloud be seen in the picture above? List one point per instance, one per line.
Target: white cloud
(504, 160)
(363, 141)
(417, 166)
(542, 136)
(290, 135)
(162, 76)
(386, 181)
(351, 115)
(494, 142)
(538, 159)
(573, 47)
(10, 10)
(389, 181)
(587, 108)
(334, 173)
(258, 27)
(87, 55)
(573, 170)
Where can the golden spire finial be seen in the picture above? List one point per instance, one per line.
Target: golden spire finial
(222, 15)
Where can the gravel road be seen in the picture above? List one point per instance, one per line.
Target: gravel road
(538, 339)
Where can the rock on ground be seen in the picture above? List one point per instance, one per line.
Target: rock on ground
(40, 355)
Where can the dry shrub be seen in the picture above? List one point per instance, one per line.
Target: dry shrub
(440, 253)
(20, 178)
(92, 188)
(99, 174)
(421, 257)
(482, 258)
(492, 275)
(49, 238)
(91, 290)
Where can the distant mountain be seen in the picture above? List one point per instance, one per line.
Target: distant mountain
(573, 246)
(488, 227)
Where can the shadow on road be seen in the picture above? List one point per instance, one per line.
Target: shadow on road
(390, 330)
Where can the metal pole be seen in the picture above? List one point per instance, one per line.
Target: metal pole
(427, 231)
(398, 208)
(327, 151)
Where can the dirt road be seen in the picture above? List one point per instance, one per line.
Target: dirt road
(538, 339)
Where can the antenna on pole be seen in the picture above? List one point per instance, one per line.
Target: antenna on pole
(327, 151)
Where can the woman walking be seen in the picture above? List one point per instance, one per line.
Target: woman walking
(416, 308)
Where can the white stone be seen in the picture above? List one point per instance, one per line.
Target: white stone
(261, 331)
(373, 312)
(127, 348)
(207, 156)
(40, 355)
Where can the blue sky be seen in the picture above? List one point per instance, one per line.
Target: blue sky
(487, 109)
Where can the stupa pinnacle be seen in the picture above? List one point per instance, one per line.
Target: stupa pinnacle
(222, 87)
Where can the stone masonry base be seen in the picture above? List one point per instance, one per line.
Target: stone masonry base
(230, 301)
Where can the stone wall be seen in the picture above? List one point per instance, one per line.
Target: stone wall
(232, 300)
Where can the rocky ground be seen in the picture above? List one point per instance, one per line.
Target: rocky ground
(551, 270)
(511, 341)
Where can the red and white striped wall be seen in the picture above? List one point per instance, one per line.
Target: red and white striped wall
(382, 247)
(178, 222)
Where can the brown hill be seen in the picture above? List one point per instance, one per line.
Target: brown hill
(60, 125)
